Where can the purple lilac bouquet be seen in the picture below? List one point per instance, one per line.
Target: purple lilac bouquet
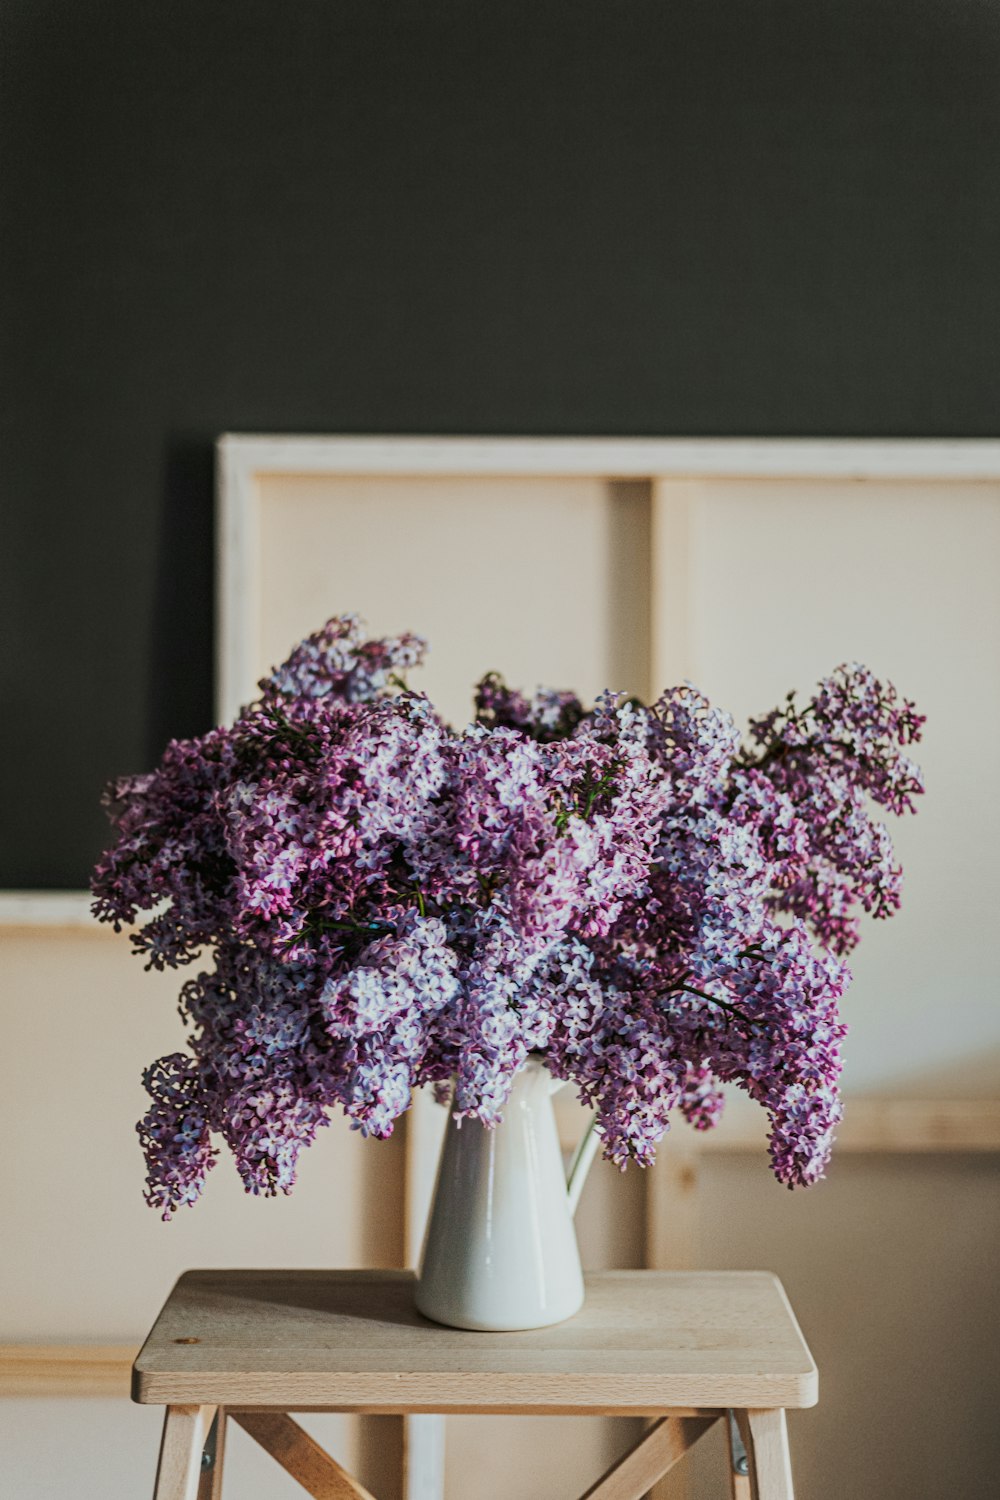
(651, 903)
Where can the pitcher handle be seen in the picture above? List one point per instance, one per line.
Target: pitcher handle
(583, 1156)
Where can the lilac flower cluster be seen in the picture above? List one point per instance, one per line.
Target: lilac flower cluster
(635, 893)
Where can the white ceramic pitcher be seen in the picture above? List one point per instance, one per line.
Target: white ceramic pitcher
(500, 1249)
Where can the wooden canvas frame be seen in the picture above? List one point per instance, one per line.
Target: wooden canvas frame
(244, 461)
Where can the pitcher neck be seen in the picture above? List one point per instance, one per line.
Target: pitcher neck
(531, 1082)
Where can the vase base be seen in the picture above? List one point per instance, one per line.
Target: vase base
(470, 1324)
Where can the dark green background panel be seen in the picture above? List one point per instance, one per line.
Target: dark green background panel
(591, 216)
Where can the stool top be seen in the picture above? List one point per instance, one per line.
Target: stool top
(645, 1341)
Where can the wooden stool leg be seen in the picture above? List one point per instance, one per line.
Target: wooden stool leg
(739, 1466)
(765, 1437)
(185, 1429)
(210, 1484)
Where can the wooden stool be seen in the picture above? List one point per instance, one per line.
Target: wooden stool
(687, 1349)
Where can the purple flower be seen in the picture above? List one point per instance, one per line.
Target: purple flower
(633, 893)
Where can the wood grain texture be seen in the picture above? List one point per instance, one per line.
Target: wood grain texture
(663, 1446)
(178, 1472)
(319, 1474)
(765, 1437)
(65, 1369)
(352, 1340)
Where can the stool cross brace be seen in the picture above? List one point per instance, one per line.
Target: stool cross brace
(191, 1455)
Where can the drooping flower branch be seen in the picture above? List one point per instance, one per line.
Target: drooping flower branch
(654, 905)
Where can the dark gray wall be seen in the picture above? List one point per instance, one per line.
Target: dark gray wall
(528, 216)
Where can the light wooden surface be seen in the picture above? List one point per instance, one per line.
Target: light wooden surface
(65, 1369)
(663, 1446)
(252, 1344)
(301, 1456)
(178, 1472)
(765, 1437)
(352, 1340)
